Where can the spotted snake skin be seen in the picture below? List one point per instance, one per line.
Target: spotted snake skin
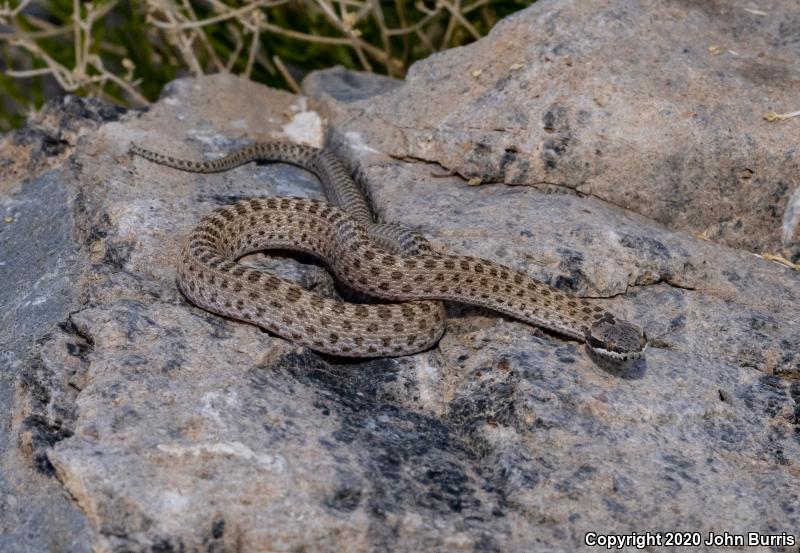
(384, 261)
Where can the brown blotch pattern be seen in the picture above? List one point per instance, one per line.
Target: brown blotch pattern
(335, 326)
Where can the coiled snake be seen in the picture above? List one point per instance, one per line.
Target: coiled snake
(384, 261)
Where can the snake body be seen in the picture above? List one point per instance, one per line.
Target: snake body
(388, 262)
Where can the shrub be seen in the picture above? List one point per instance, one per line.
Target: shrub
(125, 51)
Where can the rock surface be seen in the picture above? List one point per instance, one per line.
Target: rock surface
(49, 137)
(173, 429)
(650, 105)
(39, 262)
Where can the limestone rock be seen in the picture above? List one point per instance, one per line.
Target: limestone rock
(172, 429)
(39, 262)
(655, 106)
(180, 430)
(49, 137)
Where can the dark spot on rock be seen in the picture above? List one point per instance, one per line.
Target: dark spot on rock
(555, 119)
(766, 395)
(44, 434)
(646, 245)
(344, 499)
(77, 350)
(117, 254)
(572, 263)
(677, 323)
(162, 546)
(218, 529)
(553, 150)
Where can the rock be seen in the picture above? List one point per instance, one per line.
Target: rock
(173, 429)
(39, 263)
(49, 137)
(653, 106)
(605, 253)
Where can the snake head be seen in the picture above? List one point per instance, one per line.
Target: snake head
(616, 340)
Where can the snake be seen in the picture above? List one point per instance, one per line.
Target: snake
(391, 264)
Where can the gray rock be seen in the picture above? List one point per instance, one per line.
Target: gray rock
(39, 263)
(184, 431)
(49, 137)
(38, 268)
(650, 105)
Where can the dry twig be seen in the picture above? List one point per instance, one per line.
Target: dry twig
(248, 31)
